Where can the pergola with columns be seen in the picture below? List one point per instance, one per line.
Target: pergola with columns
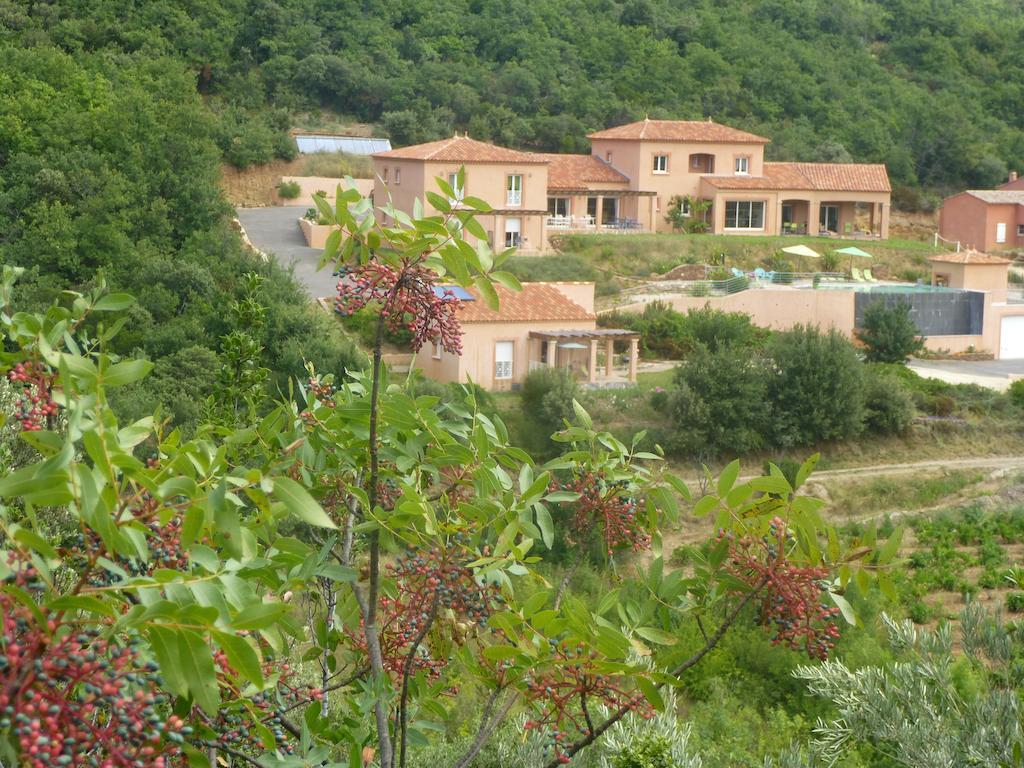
(569, 342)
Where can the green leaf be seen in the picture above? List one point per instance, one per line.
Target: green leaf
(651, 693)
(844, 607)
(705, 505)
(500, 652)
(486, 291)
(507, 279)
(113, 302)
(196, 662)
(259, 616)
(126, 372)
(546, 525)
(891, 547)
(775, 484)
(242, 657)
(727, 479)
(656, 635)
(298, 502)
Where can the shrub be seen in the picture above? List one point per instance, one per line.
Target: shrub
(940, 405)
(547, 397)
(719, 403)
(289, 190)
(1015, 602)
(815, 385)
(888, 333)
(1016, 392)
(829, 261)
(888, 404)
(715, 329)
(659, 400)
(647, 751)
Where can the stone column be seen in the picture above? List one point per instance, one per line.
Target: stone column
(552, 352)
(609, 357)
(634, 352)
(599, 212)
(883, 228)
(592, 368)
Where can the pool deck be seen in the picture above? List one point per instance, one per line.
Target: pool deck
(994, 374)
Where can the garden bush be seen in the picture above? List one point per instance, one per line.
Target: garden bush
(719, 403)
(289, 190)
(888, 404)
(815, 385)
(888, 333)
(1016, 393)
(1015, 602)
(547, 397)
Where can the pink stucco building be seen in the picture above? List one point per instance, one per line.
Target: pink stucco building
(985, 219)
(627, 182)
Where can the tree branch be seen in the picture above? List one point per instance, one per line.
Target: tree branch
(487, 727)
(626, 708)
(403, 713)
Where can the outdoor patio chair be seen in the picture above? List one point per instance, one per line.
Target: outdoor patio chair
(738, 272)
(869, 277)
(857, 276)
(760, 274)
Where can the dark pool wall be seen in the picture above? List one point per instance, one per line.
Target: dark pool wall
(949, 313)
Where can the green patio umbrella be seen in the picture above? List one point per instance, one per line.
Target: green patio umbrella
(852, 251)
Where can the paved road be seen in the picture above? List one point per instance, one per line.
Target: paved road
(276, 231)
(995, 374)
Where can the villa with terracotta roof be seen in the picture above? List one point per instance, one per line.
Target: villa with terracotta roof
(544, 325)
(986, 219)
(627, 182)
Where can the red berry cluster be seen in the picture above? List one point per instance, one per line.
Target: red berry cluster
(322, 392)
(409, 298)
(566, 693)
(36, 402)
(71, 697)
(792, 600)
(234, 729)
(607, 508)
(421, 579)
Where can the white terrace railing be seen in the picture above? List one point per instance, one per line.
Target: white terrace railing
(589, 224)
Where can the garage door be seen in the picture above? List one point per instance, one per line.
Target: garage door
(1011, 338)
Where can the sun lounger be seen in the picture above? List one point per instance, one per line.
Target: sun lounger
(857, 276)
(869, 277)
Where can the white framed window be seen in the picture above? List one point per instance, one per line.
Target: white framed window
(513, 233)
(1001, 232)
(458, 192)
(742, 165)
(503, 359)
(437, 350)
(744, 214)
(514, 190)
(660, 164)
(398, 175)
(684, 207)
(384, 176)
(558, 206)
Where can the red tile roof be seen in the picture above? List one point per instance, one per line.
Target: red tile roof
(576, 171)
(999, 196)
(969, 257)
(460, 149)
(821, 177)
(680, 130)
(536, 302)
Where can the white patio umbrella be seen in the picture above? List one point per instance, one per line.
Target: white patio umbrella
(802, 250)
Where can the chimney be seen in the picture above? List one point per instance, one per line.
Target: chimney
(1013, 177)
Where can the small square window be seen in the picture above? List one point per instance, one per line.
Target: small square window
(398, 175)
(437, 350)
(1020, 230)
(742, 165)
(661, 163)
(384, 176)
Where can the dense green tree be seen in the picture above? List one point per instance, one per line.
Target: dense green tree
(815, 385)
(888, 333)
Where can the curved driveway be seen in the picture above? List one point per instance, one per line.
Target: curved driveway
(276, 232)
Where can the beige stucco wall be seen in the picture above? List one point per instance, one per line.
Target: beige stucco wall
(636, 160)
(580, 292)
(976, 277)
(315, 234)
(477, 359)
(779, 309)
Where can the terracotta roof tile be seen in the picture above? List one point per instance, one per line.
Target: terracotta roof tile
(460, 149)
(576, 171)
(536, 302)
(680, 130)
(999, 196)
(969, 256)
(822, 177)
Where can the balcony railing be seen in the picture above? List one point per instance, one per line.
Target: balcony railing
(589, 224)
